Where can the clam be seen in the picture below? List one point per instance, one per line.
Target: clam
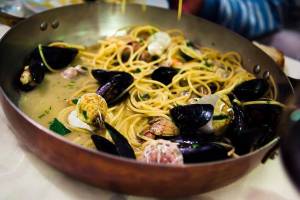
(160, 126)
(162, 151)
(91, 108)
(75, 122)
(164, 74)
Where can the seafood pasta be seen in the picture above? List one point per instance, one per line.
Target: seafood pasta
(150, 94)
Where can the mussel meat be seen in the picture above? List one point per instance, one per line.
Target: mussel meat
(251, 90)
(120, 147)
(190, 118)
(41, 60)
(31, 76)
(164, 74)
(113, 90)
(197, 149)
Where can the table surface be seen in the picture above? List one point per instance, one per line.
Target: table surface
(24, 176)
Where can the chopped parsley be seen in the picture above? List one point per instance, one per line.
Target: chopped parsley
(58, 127)
(138, 70)
(84, 114)
(208, 63)
(194, 146)
(75, 101)
(46, 112)
(144, 97)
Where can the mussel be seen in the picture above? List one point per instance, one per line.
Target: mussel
(253, 126)
(120, 147)
(197, 149)
(103, 144)
(113, 85)
(190, 118)
(41, 60)
(55, 57)
(164, 74)
(251, 90)
(31, 76)
(104, 76)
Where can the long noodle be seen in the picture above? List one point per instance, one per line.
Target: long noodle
(208, 71)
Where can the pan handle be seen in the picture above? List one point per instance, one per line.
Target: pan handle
(9, 20)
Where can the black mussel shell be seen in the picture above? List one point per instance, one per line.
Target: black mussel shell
(204, 152)
(37, 73)
(198, 149)
(253, 126)
(113, 90)
(190, 118)
(56, 57)
(263, 114)
(122, 146)
(104, 76)
(164, 74)
(104, 145)
(251, 90)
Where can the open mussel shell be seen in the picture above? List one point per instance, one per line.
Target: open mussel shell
(122, 145)
(190, 118)
(35, 74)
(104, 76)
(251, 90)
(113, 91)
(198, 149)
(164, 74)
(56, 57)
(102, 144)
(253, 126)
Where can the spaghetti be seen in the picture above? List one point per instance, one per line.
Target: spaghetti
(201, 71)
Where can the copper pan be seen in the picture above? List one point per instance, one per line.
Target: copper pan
(85, 24)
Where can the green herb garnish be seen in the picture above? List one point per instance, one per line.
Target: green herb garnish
(58, 127)
(138, 70)
(75, 101)
(208, 63)
(46, 112)
(194, 146)
(145, 97)
(84, 114)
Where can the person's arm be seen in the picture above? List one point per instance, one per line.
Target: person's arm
(251, 18)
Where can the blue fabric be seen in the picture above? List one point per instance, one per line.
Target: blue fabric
(251, 18)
